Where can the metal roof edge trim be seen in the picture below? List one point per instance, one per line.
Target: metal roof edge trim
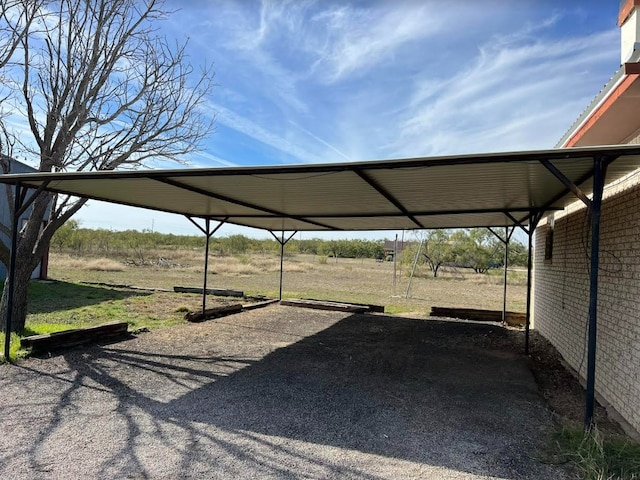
(465, 159)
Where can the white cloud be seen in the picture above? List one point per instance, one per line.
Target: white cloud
(358, 39)
(264, 135)
(513, 96)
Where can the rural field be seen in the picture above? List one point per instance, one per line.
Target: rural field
(305, 276)
(97, 276)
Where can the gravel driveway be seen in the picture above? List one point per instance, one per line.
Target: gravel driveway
(279, 392)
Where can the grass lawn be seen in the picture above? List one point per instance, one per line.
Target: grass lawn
(58, 305)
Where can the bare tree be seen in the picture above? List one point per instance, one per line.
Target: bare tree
(99, 89)
(16, 21)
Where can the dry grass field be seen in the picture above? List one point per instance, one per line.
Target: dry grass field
(306, 276)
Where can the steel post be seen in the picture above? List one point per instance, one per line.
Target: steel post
(12, 270)
(596, 207)
(529, 268)
(282, 242)
(208, 233)
(207, 224)
(506, 267)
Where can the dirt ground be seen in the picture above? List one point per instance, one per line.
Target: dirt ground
(280, 392)
(561, 390)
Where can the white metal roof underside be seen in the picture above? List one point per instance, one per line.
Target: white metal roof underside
(484, 190)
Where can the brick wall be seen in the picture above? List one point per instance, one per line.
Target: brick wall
(562, 293)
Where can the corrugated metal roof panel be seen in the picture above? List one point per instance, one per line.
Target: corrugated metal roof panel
(442, 192)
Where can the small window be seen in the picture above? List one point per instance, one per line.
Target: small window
(548, 246)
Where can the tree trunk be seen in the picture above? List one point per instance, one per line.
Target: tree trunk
(29, 250)
(435, 270)
(19, 310)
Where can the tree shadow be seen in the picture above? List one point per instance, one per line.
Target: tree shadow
(48, 297)
(426, 392)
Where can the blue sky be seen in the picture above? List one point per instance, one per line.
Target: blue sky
(322, 81)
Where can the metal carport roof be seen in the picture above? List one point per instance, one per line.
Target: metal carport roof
(483, 190)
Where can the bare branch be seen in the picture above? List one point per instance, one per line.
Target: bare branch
(16, 19)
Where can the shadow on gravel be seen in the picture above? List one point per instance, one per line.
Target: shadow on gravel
(450, 394)
(424, 391)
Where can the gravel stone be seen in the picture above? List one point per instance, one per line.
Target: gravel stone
(279, 392)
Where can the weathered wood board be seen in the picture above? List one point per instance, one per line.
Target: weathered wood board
(221, 292)
(325, 305)
(370, 306)
(512, 318)
(213, 312)
(77, 336)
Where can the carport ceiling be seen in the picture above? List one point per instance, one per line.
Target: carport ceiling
(484, 190)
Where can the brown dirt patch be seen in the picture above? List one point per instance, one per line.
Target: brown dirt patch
(560, 388)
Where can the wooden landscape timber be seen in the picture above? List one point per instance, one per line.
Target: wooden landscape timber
(130, 287)
(221, 292)
(77, 336)
(512, 318)
(370, 306)
(225, 310)
(213, 312)
(260, 304)
(326, 305)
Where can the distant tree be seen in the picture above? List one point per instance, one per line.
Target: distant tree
(63, 238)
(238, 244)
(477, 248)
(98, 88)
(436, 248)
(518, 255)
(335, 248)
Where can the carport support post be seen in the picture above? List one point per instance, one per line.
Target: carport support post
(507, 235)
(282, 243)
(207, 224)
(208, 234)
(530, 232)
(596, 207)
(17, 196)
(508, 231)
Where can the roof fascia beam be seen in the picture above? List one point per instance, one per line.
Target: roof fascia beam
(390, 198)
(238, 202)
(507, 212)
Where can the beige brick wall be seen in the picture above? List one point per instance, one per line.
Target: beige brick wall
(562, 294)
